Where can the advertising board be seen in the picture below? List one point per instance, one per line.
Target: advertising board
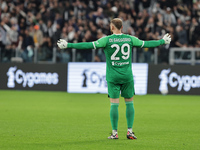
(178, 79)
(91, 78)
(33, 76)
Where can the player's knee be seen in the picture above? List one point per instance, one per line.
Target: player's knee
(128, 99)
(114, 100)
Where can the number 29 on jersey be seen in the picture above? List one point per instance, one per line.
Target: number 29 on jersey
(125, 55)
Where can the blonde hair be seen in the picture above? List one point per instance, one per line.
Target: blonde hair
(117, 22)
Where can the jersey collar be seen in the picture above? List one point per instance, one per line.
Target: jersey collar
(118, 34)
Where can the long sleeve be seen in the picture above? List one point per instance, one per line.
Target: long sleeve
(146, 44)
(82, 45)
(89, 45)
(153, 43)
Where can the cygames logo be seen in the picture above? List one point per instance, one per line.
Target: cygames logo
(29, 78)
(182, 82)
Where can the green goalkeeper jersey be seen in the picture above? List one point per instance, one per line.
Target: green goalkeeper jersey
(118, 51)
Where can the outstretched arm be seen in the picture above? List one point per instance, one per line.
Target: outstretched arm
(62, 44)
(82, 45)
(153, 43)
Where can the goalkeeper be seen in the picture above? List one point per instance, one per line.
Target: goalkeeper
(119, 76)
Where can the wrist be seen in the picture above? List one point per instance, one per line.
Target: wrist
(162, 41)
(69, 45)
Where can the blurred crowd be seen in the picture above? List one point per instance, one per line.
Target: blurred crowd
(27, 26)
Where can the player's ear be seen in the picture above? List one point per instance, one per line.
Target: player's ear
(121, 27)
(112, 27)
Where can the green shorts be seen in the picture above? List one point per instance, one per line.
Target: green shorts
(127, 89)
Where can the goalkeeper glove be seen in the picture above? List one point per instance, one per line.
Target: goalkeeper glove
(167, 38)
(62, 44)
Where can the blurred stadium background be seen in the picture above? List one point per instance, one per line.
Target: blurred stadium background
(31, 28)
(42, 105)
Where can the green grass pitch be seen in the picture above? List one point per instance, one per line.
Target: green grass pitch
(31, 120)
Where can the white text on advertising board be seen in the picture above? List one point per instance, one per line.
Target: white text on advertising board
(182, 82)
(30, 78)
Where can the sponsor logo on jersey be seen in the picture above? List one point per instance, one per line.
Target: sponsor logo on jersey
(29, 78)
(114, 63)
(184, 82)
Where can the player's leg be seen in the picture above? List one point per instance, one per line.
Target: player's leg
(130, 113)
(128, 92)
(114, 115)
(113, 93)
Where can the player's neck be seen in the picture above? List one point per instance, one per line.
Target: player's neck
(117, 32)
